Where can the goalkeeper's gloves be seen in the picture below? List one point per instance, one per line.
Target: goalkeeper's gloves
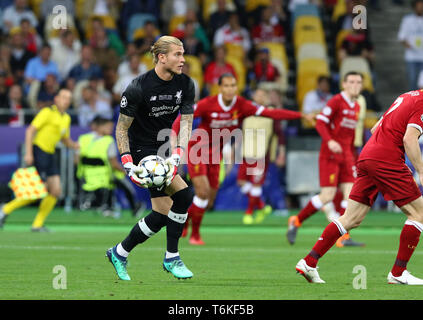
(173, 163)
(132, 170)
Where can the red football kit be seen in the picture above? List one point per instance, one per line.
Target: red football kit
(381, 165)
(218, 122)
(337, 121)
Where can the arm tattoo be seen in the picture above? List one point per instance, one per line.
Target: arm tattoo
(185, 130)
(123, 124)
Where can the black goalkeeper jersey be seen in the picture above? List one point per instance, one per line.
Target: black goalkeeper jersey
(154, 104)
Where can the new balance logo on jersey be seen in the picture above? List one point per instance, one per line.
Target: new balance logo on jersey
(153, 98)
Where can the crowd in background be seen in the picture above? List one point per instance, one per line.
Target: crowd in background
(106, 45)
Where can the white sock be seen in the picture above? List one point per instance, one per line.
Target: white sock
(171, 254)
(121, 251)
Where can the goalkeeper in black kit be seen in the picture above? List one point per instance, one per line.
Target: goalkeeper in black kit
(148, 108)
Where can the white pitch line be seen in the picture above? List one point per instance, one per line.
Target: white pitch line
(226, 249)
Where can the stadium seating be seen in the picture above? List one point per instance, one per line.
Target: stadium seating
(340, 37)
(251, 5)
(210, 6)
(311, 50)
(358, 64)
(339, 10)
(175, 22)
(241, 72)
(36, 7)
(137, 21)
(308, 72)
(308, 29)
(196, 70)
(304, 10)
(235, 50)
(147, 59)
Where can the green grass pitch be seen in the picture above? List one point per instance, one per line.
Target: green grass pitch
(238, 262)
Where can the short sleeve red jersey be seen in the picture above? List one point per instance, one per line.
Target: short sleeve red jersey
(218, 121)
(339, 119)
(386, 143)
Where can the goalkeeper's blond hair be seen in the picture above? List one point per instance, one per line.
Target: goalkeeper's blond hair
(162, 45)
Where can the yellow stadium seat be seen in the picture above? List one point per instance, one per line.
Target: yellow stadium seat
(277, 51)
(79, 9)
(140, 33)
(308, 29)
(147, 59)
(357, 64)
(210, 6)
(308, 72)
(175, 22)
(241, 72)
(235, 50)
(214, 90)
(339, 10)
(196, 70)
(36, 7)
(252, 5)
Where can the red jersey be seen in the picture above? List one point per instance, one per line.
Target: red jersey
(337, 121)
(386, 143)
(219, 120)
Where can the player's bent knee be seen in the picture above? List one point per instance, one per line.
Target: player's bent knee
(182, 200)
(203, 193)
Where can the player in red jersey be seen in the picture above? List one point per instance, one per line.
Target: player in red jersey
(221, 116)
(381, 168)
(336, 125)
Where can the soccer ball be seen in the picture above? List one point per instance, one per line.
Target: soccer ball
(155, 171)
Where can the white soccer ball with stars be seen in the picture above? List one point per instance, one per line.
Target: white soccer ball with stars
(155, 171)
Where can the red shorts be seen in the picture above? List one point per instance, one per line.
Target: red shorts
(333, 172)
(253, 172)
(394, 180)
(211, 171)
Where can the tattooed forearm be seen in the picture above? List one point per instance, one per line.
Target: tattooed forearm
(123, 124)
(185, 130)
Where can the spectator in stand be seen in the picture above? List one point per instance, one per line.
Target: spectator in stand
(186, 69)
(38, 67)
(31, 38)
(411, 36)
(5, 67)
(316, 100)
(420, 81)
(150, 34)
(136, 68)
(264, 70)
(219, 18)
(19, 55)
(4, 89)
(232, 32)
(130, 7)
(14, 13)
(357, 43)
(107, 47)
(91, 107)
(216, 68)
(124, 66)
(86, 69)
(65, 52)
(192, 45)
(48, 89)
(266, 30)
(15, 103)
